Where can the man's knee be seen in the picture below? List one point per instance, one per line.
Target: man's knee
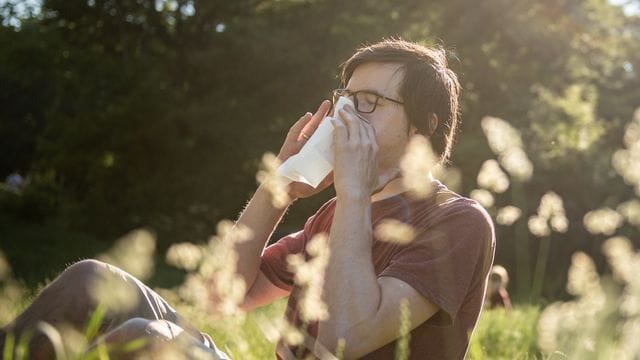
(84, 270)
(129, 330)
(141, 327)
(76, 280)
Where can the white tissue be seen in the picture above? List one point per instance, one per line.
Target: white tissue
(315, 160)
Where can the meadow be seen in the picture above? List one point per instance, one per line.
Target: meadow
(130, 130)
(599, 320)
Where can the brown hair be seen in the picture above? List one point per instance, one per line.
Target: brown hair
(428, 87)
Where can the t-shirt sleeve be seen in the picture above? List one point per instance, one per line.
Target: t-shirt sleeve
(273, 263)
(446, 260)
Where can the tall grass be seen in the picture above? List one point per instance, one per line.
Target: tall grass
(503, 335)
(602, 320)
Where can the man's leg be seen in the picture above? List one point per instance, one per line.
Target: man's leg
(152, 338)
(69, 299)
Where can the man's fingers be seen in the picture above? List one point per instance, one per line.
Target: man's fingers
(349, 122)
(371, 134)
(299, 125)
(310, 127)
(340, 133)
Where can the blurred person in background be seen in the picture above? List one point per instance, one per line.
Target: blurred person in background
(497, 294)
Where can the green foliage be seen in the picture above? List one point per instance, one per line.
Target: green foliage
(246, 340)
(565, 124)
(155, 114)
(506, 335)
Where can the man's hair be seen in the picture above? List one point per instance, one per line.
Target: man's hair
(428, 87)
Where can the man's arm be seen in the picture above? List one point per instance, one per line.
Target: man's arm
(364, 309)
(261, 216)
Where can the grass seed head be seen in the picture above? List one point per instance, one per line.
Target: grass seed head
(508, 215)
(517, 164)
(133, 253)
(491, 177)
(539, 226)
(500, 134)
(482, 196)
(631, 211)
(602, 221)
(418, 160)
(184, 255)
(276, 185)
(309, 275)
(394, 231)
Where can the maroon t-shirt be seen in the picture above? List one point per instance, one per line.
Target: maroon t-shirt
(448, 263)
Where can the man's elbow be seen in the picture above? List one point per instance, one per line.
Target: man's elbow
(350, 343)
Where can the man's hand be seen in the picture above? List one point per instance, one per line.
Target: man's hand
(297, 136)
(356, 152)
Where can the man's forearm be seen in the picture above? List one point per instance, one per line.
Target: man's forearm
(351, 290)
(261, 217)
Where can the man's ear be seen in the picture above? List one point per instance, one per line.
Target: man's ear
(433, 123)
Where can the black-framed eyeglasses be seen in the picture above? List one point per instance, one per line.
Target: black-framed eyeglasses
(365, 101)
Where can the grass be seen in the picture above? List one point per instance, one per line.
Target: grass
(506, 335)
(244, 339)
(498, 334)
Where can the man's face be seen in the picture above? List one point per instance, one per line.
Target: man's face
(389, 119)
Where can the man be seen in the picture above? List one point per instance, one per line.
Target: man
(399, 90)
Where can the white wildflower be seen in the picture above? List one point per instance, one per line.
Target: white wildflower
(309, 275)
(221, 266)
(624, 262)
(627, 161)
(275, 184)
(492, 177)
(508, 215)
(500, 134)
(417, 162)
(583, 277)
(583, 327)
(450, 176)
(560, 223)
(538, 226)
(602, 221)
(550, 204)
(505, 141)
(482, 196)
(631, 211)
(290, 334)
(394, 231)
(113, 293)
(517, 164)
(184, 256)
(133, 253)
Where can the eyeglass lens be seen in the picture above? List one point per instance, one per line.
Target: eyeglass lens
(363, 102)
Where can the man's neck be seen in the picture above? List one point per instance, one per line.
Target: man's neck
(393, 188)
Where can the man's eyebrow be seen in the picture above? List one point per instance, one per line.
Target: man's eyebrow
(370, 91)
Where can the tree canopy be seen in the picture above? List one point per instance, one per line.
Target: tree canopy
(155, 113)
